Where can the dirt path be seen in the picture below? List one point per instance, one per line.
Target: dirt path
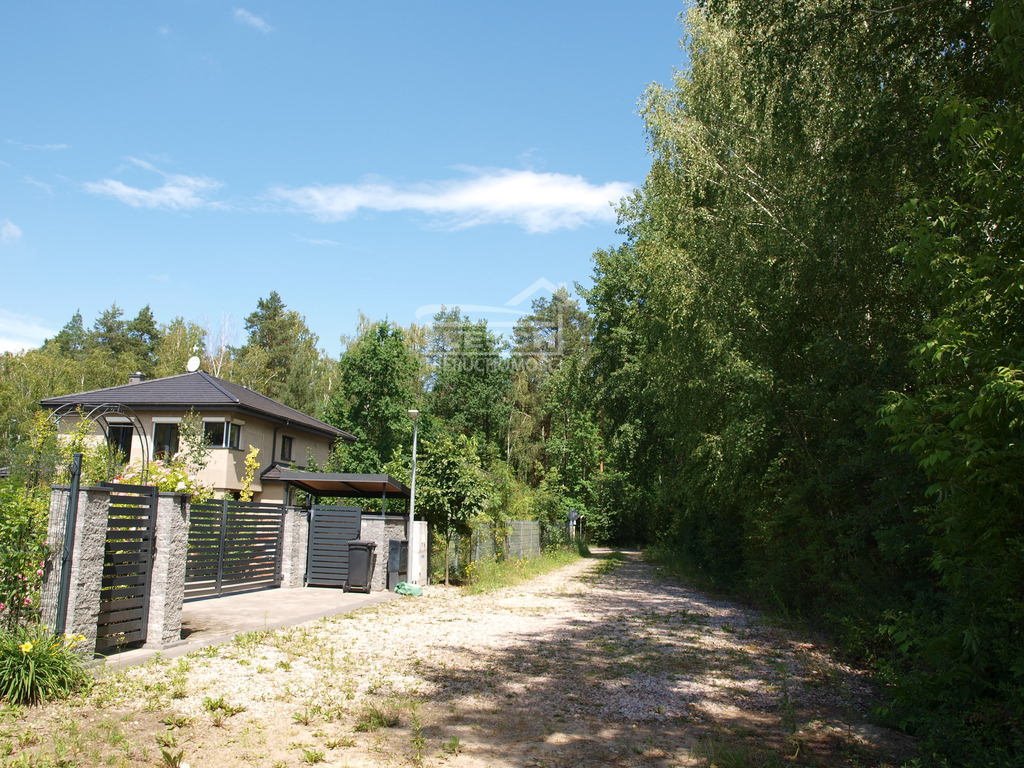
(599, 663)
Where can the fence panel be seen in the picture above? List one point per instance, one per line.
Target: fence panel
(233, 546)
(523, 539)
(127, 566)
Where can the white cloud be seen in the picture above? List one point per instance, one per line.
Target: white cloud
(19, 332)
(48, 189)
(250, 19)
(39, 147)
(538, 202)
(178, 192)
(322, 241)
(9, 231)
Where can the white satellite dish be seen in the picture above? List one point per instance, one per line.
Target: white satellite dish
(192, 365)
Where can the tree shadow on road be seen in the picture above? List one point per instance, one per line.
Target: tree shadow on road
(643, 671)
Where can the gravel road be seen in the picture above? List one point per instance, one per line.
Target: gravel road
(599, 663)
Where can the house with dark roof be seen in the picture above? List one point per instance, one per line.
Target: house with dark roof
(142, 419)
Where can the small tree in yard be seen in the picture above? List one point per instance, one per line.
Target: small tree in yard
(452, 486)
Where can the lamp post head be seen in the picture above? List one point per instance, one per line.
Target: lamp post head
(414, 414)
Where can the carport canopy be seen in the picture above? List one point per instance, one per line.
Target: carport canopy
(342, 484)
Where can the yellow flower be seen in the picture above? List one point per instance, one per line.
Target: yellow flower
(26, 646)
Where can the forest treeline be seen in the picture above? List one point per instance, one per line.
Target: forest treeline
(808, 352)
(799, 377)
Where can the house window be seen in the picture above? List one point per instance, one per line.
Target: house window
(286, 448)
(214, 433)
(119, 436)
(165, 440)
(222, 434)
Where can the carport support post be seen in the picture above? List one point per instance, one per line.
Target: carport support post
(167, 582)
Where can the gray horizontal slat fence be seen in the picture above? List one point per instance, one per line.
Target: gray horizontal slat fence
(127, 566)
(233, 546)
(331, 528)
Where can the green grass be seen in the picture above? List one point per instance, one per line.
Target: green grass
(373, 717)
(727, 753)
(488, 575)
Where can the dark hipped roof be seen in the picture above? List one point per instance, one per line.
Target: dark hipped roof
(201, 391)
(339, 483)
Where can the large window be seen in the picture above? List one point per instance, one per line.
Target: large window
(222, 434)
(165, 440)
(119, 436)
(286, 448)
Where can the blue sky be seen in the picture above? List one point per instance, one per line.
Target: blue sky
(356, 157)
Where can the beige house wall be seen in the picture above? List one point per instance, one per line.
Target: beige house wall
(227, 465)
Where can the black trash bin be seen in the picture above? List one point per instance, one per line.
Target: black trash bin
(398, 562)
(361, 559)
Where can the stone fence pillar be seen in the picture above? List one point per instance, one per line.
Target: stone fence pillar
(167, 580)
(381, 530)
(294, 543)
(86, 562)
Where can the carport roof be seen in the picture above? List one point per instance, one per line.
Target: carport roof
(339, 483)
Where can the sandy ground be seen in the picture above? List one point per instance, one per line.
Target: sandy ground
(595, 664)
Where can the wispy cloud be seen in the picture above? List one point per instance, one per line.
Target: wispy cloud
(178, 192)
(9, 231)
(537, 202)
(321, 241)
(20, 332)
(39, 147)
(47, 188)
(250, 19)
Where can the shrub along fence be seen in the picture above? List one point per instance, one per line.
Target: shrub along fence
(519, 539)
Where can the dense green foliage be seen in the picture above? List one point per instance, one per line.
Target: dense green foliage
(451, 487)
(23, 514)
(378, 382)
(824, 264)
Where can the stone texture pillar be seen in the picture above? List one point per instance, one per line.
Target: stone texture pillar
(294, 545)
(372, 528)
(86, 562)
(59, 497)
(382, 530)
(167, 580)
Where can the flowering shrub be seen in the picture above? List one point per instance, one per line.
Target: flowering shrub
(23, 516)
(37, 666)
(252, 465)
(169, 476)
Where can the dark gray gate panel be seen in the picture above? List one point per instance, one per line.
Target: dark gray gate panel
(331, 528)
(233, 546)
(127, 565)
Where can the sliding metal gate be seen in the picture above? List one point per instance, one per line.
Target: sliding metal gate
(127, 566)
(233, 546)
(331, 528)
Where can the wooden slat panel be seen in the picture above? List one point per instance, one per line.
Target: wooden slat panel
(128, 562)
(332, 527)
(237, 542)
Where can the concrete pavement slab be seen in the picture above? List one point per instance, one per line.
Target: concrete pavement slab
(218, 619)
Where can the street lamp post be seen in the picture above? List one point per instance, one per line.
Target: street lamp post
(413, 562)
